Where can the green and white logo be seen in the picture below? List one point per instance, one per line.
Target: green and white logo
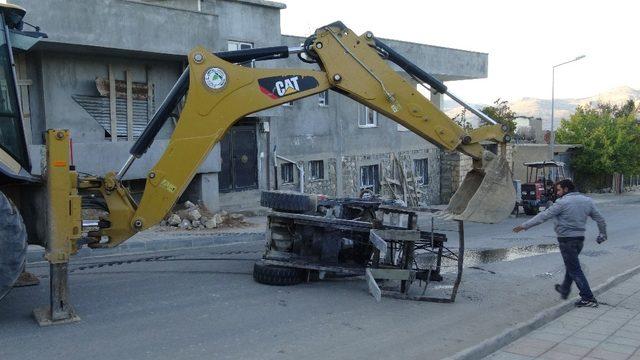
(215, 78)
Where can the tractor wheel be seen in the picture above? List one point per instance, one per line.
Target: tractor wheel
(288, 201)
(276, 275)
(13, 244)
(531, 210)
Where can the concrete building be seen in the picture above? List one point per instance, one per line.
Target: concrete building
(141, 45)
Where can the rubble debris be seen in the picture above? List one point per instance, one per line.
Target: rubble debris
(185, 224)
(211, 223)
(174, 220)
(190, 216)
(194, 215)
(237, 217)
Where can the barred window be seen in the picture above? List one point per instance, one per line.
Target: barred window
(286, 173)
(316, 168)
(421, 171)
(370, 178)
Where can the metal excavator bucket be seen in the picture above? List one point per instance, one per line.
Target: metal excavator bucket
(486, 195)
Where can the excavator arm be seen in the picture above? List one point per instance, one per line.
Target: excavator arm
(221, 92)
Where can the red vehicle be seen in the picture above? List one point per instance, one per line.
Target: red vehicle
(539, 191)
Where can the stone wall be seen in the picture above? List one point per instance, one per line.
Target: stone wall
(455, 166)
(430, 190)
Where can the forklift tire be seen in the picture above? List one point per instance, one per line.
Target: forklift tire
(13, 245)
(276, 275)
(531, 210)
(288, 201)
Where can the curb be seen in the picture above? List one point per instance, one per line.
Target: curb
(491, 345)
(146, 245)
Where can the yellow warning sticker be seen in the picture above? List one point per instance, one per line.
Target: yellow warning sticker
(165, 184)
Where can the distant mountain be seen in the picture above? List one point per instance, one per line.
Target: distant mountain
(563, 107)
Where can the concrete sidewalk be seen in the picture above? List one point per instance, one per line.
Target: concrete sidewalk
(609, 332)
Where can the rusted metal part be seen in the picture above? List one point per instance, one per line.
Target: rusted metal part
(59, 310)
(26, 279)
(318, 221)
(301, 264)
(140, 91)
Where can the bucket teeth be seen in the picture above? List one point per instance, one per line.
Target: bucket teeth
(486, 195)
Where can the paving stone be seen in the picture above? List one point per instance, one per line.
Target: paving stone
(613, 299)
(627, 334)
(554, 329)
(572, 340)
(621, 313)
(631, 328)
(590, 335)
(501, 355)
(530, 347)
(557, 355)
(572, 349)
(616, 339)
(583, 313)
(607, 355)
(543, 335)
(605, 330)
(625, 349)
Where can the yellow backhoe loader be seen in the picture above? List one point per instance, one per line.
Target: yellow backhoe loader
(218, 93)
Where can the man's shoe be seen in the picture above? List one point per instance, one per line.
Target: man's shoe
(563, 295)
(586, 303)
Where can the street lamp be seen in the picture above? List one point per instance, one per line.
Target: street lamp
(552, 136)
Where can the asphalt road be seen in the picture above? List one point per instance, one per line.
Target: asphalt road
(206, 309)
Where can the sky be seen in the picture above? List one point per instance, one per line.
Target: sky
(524, 39)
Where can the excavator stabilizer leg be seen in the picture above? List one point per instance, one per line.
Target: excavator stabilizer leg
(486, 195)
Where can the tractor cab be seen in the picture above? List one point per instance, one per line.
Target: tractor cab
(14, 157)
(539, 190)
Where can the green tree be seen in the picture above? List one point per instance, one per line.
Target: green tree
(501, 112)
(610, 136)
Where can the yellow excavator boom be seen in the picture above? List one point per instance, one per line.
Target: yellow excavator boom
(221, 92)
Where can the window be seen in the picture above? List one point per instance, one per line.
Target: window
(421, 171)
(323, 98)
(241, 45)
(368, 118)
(286, 173)
(370, 178)
(12, 138)
(238, 45)
(316, 168)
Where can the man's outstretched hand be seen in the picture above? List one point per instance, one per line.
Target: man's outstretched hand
(518, 228)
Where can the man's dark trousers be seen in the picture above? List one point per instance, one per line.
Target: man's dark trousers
(570, 248)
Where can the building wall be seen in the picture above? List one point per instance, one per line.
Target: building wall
(122, 25)
(134, 36)
(151, 37)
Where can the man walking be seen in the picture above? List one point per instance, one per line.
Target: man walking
(570, 214)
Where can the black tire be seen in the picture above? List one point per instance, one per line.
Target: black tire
(276, 275)
(531, 210)
(13, 245)
(287, 201)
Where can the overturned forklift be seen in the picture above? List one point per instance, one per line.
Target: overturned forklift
(310, 237)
